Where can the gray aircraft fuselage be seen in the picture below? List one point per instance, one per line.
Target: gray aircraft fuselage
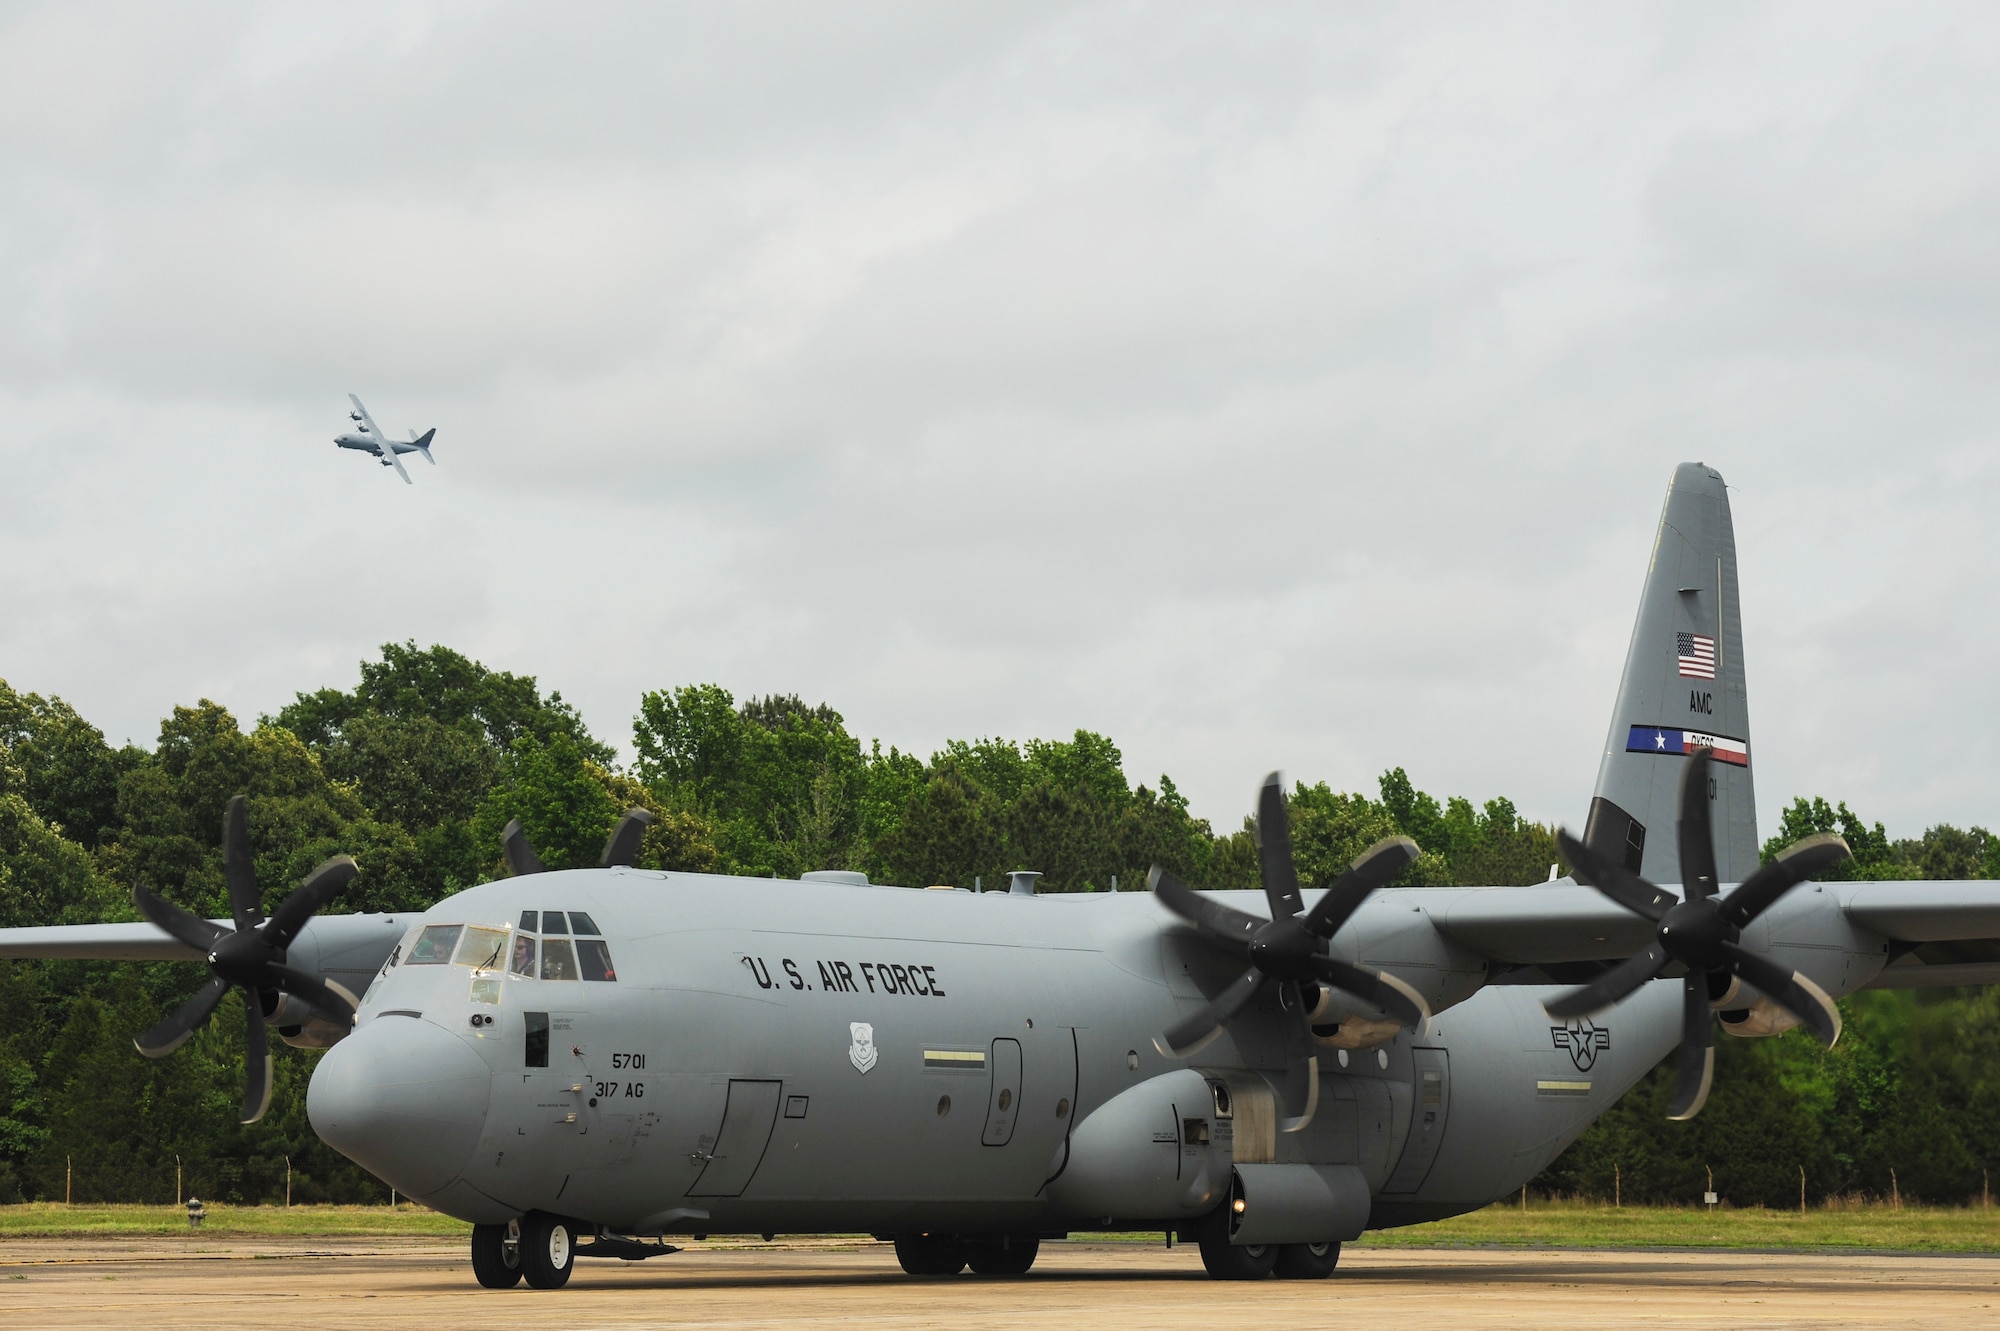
(368, 443)
(723, 1081)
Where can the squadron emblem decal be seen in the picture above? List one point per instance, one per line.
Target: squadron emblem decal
(862, 1053)
(1582, 1038)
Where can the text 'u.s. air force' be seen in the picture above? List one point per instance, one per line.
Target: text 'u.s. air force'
(912, 980)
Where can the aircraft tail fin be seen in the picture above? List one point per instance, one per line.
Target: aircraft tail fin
(1683, 688)
(424, 444)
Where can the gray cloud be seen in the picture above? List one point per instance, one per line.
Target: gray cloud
(1292, 387)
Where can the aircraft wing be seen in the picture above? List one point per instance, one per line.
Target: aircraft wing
(348, 949)
(99, 942)
(383, 444)
(366, 419)
(1939, 934)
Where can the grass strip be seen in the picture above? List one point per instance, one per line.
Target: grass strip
(1567, 1224)
(55, 1220)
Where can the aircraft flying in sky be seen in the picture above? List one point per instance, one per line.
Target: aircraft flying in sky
(587, 1063)
(368, 438)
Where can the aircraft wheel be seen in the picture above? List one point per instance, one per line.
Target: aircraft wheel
(1011, 1259)
(1232, 1261)
(548, 1250)
(1307, 1261)
(930, 1254)
(496, 1254)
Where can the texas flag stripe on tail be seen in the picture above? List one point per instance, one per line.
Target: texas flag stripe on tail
(1662, 740)
(1695, 655)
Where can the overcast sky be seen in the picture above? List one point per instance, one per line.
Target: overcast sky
(1261, 386)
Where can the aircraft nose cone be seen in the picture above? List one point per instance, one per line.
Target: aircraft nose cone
(404, 1099)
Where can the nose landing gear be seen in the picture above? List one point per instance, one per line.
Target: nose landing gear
(496, 1255)
(548, 1250)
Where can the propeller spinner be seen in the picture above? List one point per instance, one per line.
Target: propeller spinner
(251, 956)
(1289, 949)
(1703, 932)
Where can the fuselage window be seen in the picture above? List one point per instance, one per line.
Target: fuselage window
(595, 959)
(579, 923)
(552, 922)
(524, 956)
(434, 944)
(558, 959)
(527, 921)
(538, 1039)
(482, 949)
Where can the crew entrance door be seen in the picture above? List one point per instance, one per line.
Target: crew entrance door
(737, 1145)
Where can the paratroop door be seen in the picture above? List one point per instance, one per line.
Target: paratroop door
(1427, 1118)
(747, 1119)
(1003, 1101)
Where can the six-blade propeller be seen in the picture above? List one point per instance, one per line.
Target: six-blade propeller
(1289, 950)
(622, 848)
(1703, 932)
(250, 956)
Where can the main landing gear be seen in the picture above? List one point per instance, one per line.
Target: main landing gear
(538, 1247)
(1253, 1261)
(948, 1254)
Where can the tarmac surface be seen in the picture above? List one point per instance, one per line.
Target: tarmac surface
(209, 1281)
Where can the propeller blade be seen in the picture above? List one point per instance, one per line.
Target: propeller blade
(1189, 1035)
(1697, 843)
(1694, 1065)
(329, 1000)
(1790, 990)
(1291, 1093)
(245, 901)
(1794, 865)
(1274, 850)
(1222, 924)
(321, 886)
(623, 847)
(1371, 869)
(1382, 989)
(196, 932)
(256, 1063)
(1612, 986)
(1616, 881)
(521, 857)
(183, 1021)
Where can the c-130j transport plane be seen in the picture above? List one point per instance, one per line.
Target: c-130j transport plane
(587, 1063)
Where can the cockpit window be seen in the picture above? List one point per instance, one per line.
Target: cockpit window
(434, 944)
(595, 959)
(552, 922)
(524, 955)
(579, 923)
(527, 921)
(558, 959)
(482, 949)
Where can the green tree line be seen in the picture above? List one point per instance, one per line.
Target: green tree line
(416, 769)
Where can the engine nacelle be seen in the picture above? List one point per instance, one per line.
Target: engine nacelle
(298, 1025)
(1160, 1150)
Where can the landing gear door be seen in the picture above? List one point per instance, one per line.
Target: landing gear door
(739, 1142)
(1427, 1120)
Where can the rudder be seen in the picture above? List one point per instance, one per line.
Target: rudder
(1683, 688)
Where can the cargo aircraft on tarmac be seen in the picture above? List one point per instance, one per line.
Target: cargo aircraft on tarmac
(589, 1063)
(368, 438)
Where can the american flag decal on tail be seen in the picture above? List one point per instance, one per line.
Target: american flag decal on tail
(1695, 655)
